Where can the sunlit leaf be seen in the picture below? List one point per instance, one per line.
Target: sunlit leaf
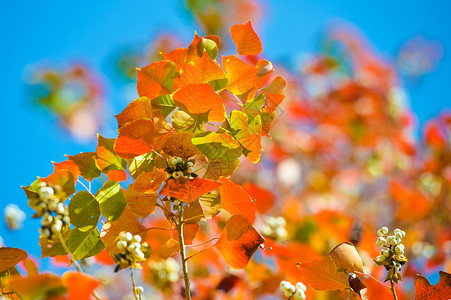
(84, 211)
(86, 164)
(140, 108)
(201, 70)
(248, 135)
(156, 79)
(274, 93)
(188, 190)
(84, 244)
(197, 99)
(168, 249)
(241, 75)
(44, 286)
(246, 40)
(236, 200)
(323, 274)
(106, 158)
(217, 146)
(111, 200)
(238, 242)
(264, 199)
(219, 167)
(135, 138)
(177, 56)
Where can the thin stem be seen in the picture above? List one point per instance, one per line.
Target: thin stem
(367, 275)
(72, 259)
(206, 242)
(183, 254)
(393, 289)
(133, 283)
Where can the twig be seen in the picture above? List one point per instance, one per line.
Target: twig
(393, 289)
(72, 259)
(133, 283)
(182, 253)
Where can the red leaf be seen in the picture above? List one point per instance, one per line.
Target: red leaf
(201, 99)
(236, 200)
(238, 242)
(177, 56)
(188, 190)
(67, 165)
(246, 40)
(425, 291)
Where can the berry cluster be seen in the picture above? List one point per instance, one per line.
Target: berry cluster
(275, 228)
(133, 251)
(177, 167)
(164, 273)
(294, 292)
(392, 253)
(50, 207)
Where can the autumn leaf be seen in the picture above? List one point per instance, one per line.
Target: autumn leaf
(135, 138)
(200, 99)
(346, 258)
(11, 257)
(188, 190)
(210, 44)
(116, 175)
(425, 291)
(246, 40)
(80, 285)
(84, 210)
(156, 79)
(247, 134)
(41, 286)
(274, 93)
(86, 164)
(106, 158)
(62, 178)
(238, 242)
(323, 274)
(177, 56)
(201, 70)
(264, 199)
(236, 200)
(241, 75)
(67, 165)
(128, 221)
(140, 108)
(168, 249)
(217, 146)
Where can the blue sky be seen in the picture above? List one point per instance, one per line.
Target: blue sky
(88, 31)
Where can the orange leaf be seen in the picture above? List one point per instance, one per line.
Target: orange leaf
(322, 274)
(116, 175)
(346, 257)
(41, 286)
(177, 56)
(236, 200)
(425, 291)
(80, 286)
(274, 93)
(189, 233)
(67, 165)
(246, 40)
(264, 199)
(156, 79)
(128, 221)
(201, 99)
(188, 190)
(135, 138)
(11, 257)
(142, 194)
(168, 249)
(140, 108)
(238, 242)
(241, 75)
(200, 70)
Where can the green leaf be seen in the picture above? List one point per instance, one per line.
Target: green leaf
(84, 244)
(87, 164)
(142, 163)
(248, 135)
(111, 199)
(32, 192)
(253, 107)
(182, 121)
(106, 159)
(84, 211)
(209, 46)
(164, 103)
(219, 84)
(267, 120)
(217, 146)
(52, 248)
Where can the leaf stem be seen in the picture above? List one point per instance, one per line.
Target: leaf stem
(182, 252)
(72, 259)
(393, 289)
